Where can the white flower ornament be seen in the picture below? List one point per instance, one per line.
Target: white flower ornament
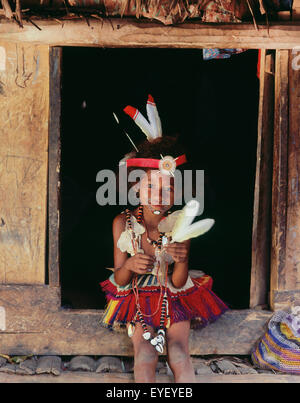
(167, 165)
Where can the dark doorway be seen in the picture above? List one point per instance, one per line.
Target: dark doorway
(212, 104)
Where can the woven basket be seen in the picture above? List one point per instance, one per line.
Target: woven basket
(279, 349)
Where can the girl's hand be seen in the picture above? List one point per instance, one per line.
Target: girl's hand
(178, 250)
(140, 263)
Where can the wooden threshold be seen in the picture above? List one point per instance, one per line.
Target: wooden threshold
(126, 32)
(36, 324)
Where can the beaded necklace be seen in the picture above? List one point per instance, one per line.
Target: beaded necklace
(158, 341)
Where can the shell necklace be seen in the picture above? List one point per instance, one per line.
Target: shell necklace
(158, 341)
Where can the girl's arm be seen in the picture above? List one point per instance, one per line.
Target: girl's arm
(126, 266)
(180, 254)
(121, 275)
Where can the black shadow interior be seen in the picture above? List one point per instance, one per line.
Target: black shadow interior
(213, 105)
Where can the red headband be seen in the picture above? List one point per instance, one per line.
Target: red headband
(151, 162)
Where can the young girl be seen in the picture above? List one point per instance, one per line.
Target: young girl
(151, 291)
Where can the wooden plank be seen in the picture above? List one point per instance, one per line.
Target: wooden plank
(280, 174)
(80, 334)
(36, 325)
(260, 270)
(24, 92)
(118, 32)
(112, 378)
(285, 277)
(292, 266)
(55, 59)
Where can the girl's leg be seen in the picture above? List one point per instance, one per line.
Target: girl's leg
(145, 357)
(178, 352)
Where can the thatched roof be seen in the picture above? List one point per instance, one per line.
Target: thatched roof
(166, 11)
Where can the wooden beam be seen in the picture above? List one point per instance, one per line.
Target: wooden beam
(126, 32)
(261, 238)
(280, 174)
(35, 324)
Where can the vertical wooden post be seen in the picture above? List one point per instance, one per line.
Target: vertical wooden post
(261, 238)
(55, 58)
(292, 280)
(285, 256)
(24, 114)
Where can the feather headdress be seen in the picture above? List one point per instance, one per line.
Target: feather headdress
(151, 128)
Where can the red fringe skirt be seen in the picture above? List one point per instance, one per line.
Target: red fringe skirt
(195, 301)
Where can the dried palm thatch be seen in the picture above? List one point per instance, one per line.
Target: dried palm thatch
(16, 15)
(171, 11)
(171, 6)
(166, 11)
(7, 9)
(185, 6)
(146, 4)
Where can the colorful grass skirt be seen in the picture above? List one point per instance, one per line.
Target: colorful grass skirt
(279, 349)
(195, 301)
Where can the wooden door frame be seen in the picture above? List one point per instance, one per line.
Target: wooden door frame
(241, 327)
(54, 160)
(130, 32)
(285, 268)
(262, 208)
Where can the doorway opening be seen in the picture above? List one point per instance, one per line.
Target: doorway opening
(212, 105)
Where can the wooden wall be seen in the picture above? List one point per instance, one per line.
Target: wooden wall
(24, 95)
(276, 229)
(285, 251)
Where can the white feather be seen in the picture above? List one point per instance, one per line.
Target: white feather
(188, 213)
(153, 129)
(167, 224)
(144, 125)
(184, 229)
(194, 230)
(154, 118)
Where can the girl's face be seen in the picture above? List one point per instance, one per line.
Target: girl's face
(157, 191)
